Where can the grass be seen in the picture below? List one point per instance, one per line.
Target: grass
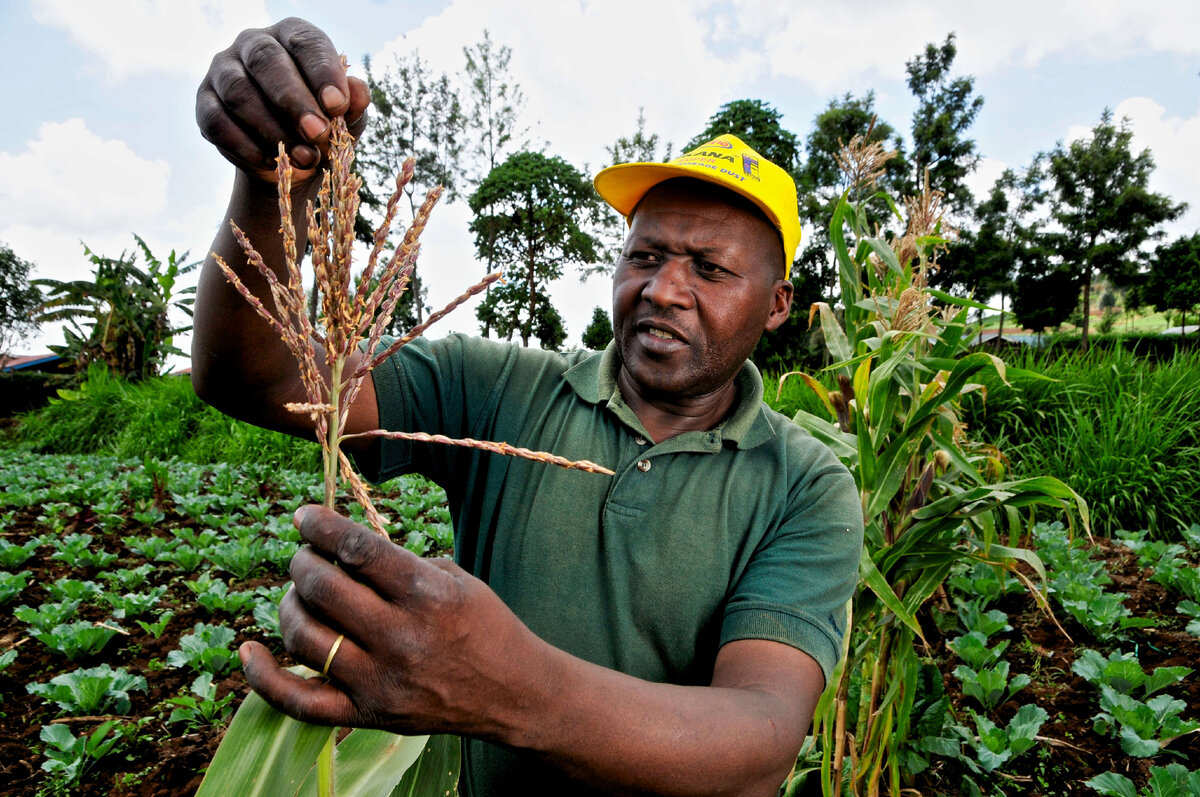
(1123, 431)
(157, 418)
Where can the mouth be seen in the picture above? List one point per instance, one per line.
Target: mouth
(658, 330)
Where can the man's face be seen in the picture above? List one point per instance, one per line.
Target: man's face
(699, 278)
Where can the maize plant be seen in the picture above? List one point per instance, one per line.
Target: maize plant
(264, 751)
(930, 497)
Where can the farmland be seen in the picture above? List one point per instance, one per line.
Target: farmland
(126, 588)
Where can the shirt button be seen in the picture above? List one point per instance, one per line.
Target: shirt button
(641, 441)
(643, 465)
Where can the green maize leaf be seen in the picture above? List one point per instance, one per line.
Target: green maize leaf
(885, 252)
(814, 386)
(835, 337)
(958, 301)
(892, 467)
(369, 763)
(435, 772)
(946, 444)
(1020, 554)
(926, 584)
(1036, 489)
(870, 575)
(844, 444)
(264, 752)
(849, 274)
(862, 378)
(883, 305)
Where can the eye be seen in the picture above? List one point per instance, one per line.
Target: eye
(710, 269)
(643, 257)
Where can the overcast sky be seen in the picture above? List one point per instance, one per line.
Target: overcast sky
(99, 140)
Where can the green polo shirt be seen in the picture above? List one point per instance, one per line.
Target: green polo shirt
(751, 530)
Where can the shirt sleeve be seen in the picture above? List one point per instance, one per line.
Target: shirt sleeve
(802, 574)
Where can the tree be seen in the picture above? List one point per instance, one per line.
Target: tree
(415, 114)
(18, 300)
(1173, 282)
(638, 148)
(493, 107)
(1045, 293)
(758, 124)
(820, 182)
(946, 109)
(1101, 201)
(125, 309)
(532, 215)
(985, 261)
(599, 332)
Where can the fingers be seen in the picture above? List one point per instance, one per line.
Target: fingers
(330, 595)
(390, 570)
(282, 83)
(312, 700)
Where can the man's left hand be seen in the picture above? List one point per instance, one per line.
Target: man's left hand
(427, 646)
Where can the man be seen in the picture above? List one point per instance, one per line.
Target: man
(667, 630)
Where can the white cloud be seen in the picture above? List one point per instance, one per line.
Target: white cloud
(838, 47)
(69, 178)
(586, 68)
(137, 37)
(1172, 141)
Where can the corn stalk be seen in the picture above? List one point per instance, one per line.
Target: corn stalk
(354, 315)
(931, 498)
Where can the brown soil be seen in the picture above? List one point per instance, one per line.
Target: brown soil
(161, 760)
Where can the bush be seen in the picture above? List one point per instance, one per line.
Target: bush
(159, 418)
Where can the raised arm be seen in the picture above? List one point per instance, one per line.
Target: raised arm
(430, 648)
(281, 83)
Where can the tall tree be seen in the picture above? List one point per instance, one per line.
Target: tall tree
(640, 147)
(820, 182)
(1103, 205)
(1173, 282)
(417, 114)
(758, 124)
(986, 260)
(533, 216)
(946, 109)
(18, 300)
(492, 109)
(599, 332)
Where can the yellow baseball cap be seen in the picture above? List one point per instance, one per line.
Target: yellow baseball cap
(726, 161)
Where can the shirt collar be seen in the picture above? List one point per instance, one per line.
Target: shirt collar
(594, 379)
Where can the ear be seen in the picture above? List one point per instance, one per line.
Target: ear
(781, 305)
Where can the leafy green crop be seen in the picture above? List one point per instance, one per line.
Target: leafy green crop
(73, 589)
(90, 691)
(990, 686)
(1144, 729)
(76, 639)
(1173, 780)
(213, 594)
(201, 707)
(206, 650)
(46, 615)
(1190, 609)
(995, 746)
(973, 649)
(128, 578)
(12, 555)
(156, 628)
(134, 604)
(68, 756)
(1124, 674)
(12, 585)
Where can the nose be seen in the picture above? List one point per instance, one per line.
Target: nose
(669, 285)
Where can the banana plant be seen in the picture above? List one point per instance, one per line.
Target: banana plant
(931, 498)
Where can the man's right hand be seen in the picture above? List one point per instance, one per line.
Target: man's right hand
(281, 83)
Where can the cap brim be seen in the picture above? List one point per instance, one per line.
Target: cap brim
(624, 185)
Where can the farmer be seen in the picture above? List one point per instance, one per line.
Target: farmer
(665, 630)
